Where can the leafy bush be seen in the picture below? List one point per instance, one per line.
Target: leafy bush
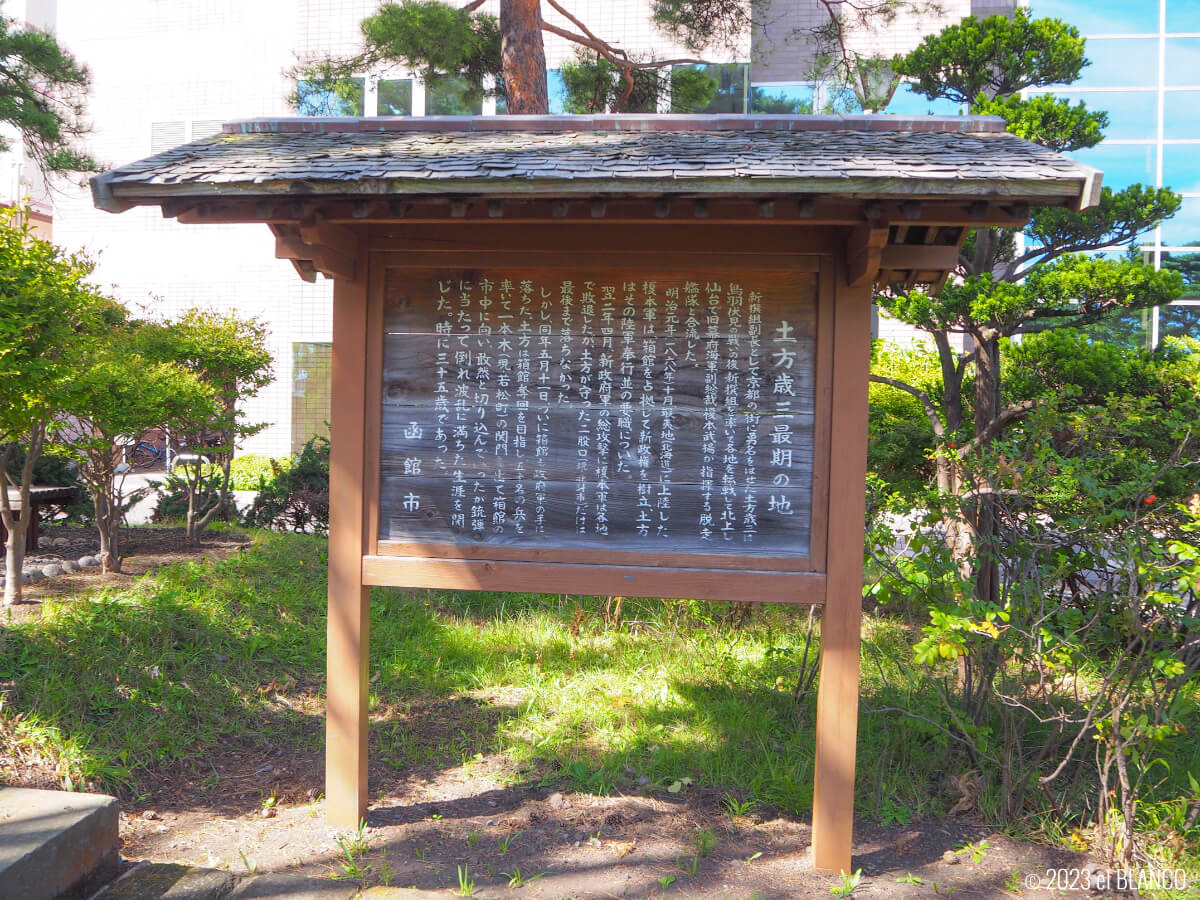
(249, 471)
(296, 497)
(900, 437)
(172, 504)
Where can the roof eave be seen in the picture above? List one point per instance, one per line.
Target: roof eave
(1080, 193)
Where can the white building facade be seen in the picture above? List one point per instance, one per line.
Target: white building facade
(169, 71)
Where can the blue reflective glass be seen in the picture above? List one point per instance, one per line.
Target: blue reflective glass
(1132, 115)
(1130, 329)
(1183, 15)
(1183, 229)
(1182, 66)
(1101, 16)
(345, 100)
(1179, 320)
(1122, 164)
(781, 99)
(1181, 167)
(906, 102)
(557, 91)
(1187, 265)
(1181, 115)
(1122, 62)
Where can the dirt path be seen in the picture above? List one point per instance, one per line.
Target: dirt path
(426, 823)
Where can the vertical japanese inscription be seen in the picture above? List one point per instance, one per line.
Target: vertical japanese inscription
(634, 411)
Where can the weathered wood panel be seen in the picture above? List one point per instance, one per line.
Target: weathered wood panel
(654, 411)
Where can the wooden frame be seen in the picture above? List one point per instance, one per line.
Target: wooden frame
(831, 575)
(754, 577)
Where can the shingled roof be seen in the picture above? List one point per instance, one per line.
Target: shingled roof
(518, 156)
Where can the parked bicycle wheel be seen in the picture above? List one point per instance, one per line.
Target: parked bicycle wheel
(141, 457)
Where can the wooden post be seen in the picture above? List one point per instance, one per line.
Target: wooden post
(349, 608)
(841, 623)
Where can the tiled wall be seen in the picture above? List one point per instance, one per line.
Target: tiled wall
(167, 68)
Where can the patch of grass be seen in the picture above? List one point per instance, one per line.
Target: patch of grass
(190, 658)
(121, 685)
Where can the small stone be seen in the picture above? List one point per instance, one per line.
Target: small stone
(32, 576)
(150, 814)
(52, 570)
(643, 780)
(69, 565)
(557, 801)
(950, 858)
(88, 561)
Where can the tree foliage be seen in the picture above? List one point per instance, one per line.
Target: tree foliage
(48, 316)
(996, 56)
(119, 395)
(231, 358)
(42, 93)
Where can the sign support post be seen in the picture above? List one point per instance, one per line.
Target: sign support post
(841, 618)
(349, 606)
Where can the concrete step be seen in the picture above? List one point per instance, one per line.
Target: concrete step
(55, 844)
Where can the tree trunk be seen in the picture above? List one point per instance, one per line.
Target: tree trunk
(523, 57)
(18, 528)
(108, 520)
(190, 522)
(15, 555)
(987, 408)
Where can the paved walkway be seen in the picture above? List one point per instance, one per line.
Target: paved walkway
(166, 881)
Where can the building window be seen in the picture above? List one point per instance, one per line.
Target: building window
(1179, 320)
(1122, 164)
(557, 91)
(452, 95)
(732, 87)
(907, 102)
(1102, 16)
(1120, 62)
(348, 100)
(394, 97)
(311, 375)
(782, 99)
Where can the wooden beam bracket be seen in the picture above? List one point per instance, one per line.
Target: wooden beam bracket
(864, 253)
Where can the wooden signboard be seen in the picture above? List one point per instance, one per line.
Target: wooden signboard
(656, 425)
(610, 421)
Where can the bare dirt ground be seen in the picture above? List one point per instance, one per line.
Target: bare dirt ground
(254, 807)
(427, 822)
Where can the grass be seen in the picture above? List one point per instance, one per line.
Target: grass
(135, 681)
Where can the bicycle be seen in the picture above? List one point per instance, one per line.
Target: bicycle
(145, 455)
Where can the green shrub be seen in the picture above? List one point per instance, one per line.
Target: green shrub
(901, 439)
(171, 507)
(249, 471)
(296, 497)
